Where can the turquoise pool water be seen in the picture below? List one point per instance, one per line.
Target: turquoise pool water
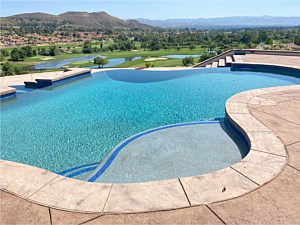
(78, 123)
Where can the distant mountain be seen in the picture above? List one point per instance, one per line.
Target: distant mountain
(31, 18)
(75, 19)
(104, 20)
(225, 22)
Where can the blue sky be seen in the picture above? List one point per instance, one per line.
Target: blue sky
(156, 9)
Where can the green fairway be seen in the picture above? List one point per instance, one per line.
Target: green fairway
(137, 63)
(27, 65)
(61, 56)
(157, 63)
(81, 64)
(161, 52)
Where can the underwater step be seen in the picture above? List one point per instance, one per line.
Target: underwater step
(172, 151)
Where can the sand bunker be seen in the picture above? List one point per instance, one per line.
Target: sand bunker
(154, 59)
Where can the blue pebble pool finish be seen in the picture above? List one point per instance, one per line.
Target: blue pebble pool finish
(78, 123)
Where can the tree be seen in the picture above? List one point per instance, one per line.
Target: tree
(8, 69)
(147, 64)
(111, 48)
(263, 36)
(192, 47)
(15, 55)
(269, 41)
(205, 57)
(87, 47)
(22, 54)
(27, 51)
(100, 61)
(144, 45)
(154, 45)
(4, 53)
(188, 61)
(52, 51)
(42, 51)
(297, 40)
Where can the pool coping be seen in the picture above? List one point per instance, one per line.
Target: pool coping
(40, 80)
(7, 91)
(265, 161)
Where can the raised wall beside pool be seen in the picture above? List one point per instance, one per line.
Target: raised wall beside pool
(7, 92)
(45, 82)
(264, 67)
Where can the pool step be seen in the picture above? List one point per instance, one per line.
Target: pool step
(214, 65)
(81, 172)
(221, 63)
(237, 58)
(31, 84)
(228, 60)
(225, 62)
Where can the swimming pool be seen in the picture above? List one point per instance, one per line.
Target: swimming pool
(79, 123)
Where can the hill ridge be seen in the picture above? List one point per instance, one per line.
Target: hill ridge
(99, 19)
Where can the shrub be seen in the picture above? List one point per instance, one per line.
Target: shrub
(188, 61)
(205, 57)
(147, 65)
(8, 69)
(100, 61)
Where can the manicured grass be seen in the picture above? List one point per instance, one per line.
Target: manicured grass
(81, 64)
(28, 63)
(61, 56)
(142, 53)
(158, 63)
(137, 63)
(161, 52)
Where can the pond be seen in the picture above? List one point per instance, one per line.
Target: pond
(112, 62)
(118, 61)
(60, 63)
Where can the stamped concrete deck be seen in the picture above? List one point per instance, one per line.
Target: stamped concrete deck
(272, 59)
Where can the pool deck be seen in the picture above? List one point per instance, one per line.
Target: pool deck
(8, 83)
(263, 188)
